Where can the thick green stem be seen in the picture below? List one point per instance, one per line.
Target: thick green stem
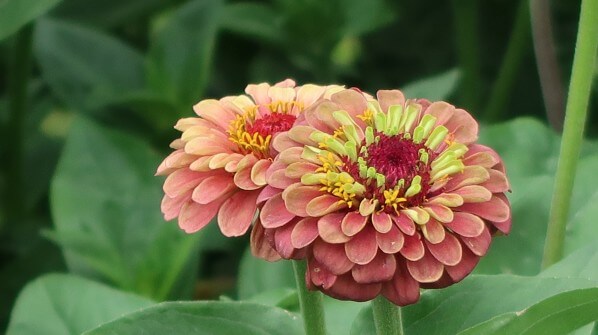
(18, 77)
(516, 50)
(582, 74)
(311, 305)
(465, 16)
(387, 317)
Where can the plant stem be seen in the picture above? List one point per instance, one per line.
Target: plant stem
(548, 67)
(465, 16)
(18, 77)
(577, 104)
(387, 317)
(517, 48)
(311, 305)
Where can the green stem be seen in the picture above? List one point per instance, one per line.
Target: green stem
(18, 77)
(387, 317)
(517, 48)
(311, 305)
(582, 74)
(465, 13)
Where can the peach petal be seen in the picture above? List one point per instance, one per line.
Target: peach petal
(220, 160)
(282, 241)
(282, 141)
(441, 110)
(495, 209)
(176, 160)
(483, 159)
(213, 188)
(381, 268)
(194, 216)
(466, 224)
(476, 148)
(418, 215)
(304, 233)
(353, 223)
(471, 175)
(213, 111)
(332, 257)
(188, 122)
(497, 183)
(237, 212)
(297, 196)
(382, 222)
(298, 169)
(447, 199)
(324, 112)
(309, 93)
(479, 244)
(258, 171)
(390, 242)
(290, 155)
(362, 248)
(439, 212)
(318, 276)
(324, 204)
(464, 267)
(181, 181)
(402, 289)
(243, 179)
(259, 93)
(388, 98)
(312, 117)
(474, 193)
(267, 193)
(351, 101)
(405, 224)
(274, 213)
(345, 288)
(260, 244)
(413, 248)
(463, 126)
(425, 270)
(201, 164)
(504, 226)
(329, 228)
(281, 94)
(171, 207)
(206, 146)
(232, 166)
(447, 252)
(433, 231)
(278, 179)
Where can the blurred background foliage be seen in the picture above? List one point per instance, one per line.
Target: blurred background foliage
(90, 90)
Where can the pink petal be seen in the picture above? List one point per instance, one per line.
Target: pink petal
(297, 196)
(312, 117)
(261, 246)
(471, 175)
(301, 134)
(473, 193)
(381, 268)
(171, 207)
(194, 216)
(433, 231)
(413, 248)
(404, 223)
(176, 160)
(213, 111)
(266, 193)
(464, 127)
(504, 226)
(323, 205)
(282, 241)
(278, 179)
(464, 267)
(304, 233)
(483, 159)
(220, 160)
(439, 212)
(388, 98)
(318, 276)
(237, 212)
(497, 183)
(425, 270)
(479, 244)
(243, 179)
(259, 93)
(332, 257)
(258, 171)
(446, 199)
(290, 155)
(298, 169)
(308, 94)
(274, 214)
(447, 252)
(390, 242)
(495, 210)
(382, 222)
(346, 288)
(362, 248)
(351, 101)
(403, 289)
(466, 224)
(353, 223)
(441, 110)
(329, 228)
(213, 188)
(203, 146)
(282, 141)
(201, 164)
(181, 181)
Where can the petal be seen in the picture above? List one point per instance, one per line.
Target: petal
(433, 231)
(463, 126)
(405, 224)
(213, 111)
(439, 212)
(471, 175)
(446, 199)
(258, 171)
(346, 288)
(171, 207)
(466, 224)
(382, 222)
(237, 212)
(390, 242)
(304, 233)
(381, 268)
(497, 183)
(309, 93)
(329, 228)
(282, 241)
(297, 196)
(473, 193)
(332, 257)
(261, 246)
(403, 289)
(447, 252)
(495, 209)
(176, 160)
(362, 248)
(483, 159)
(323, 205)
(282, 141)
(319, 276)
(479, 244)
(441, 110)
(413, 248)
(181, 181)
(353, 223)
(267, 193)
(259, 93)
(464, 267)
(298, 169)
(213, 188)
(194, 216)
(388, 98)
(351, 101)
(504, 226)
(281, 94)
(220, 160)
(425, 270)
(274, 213)
(278, 179)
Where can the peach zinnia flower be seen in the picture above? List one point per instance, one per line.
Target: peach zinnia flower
(219, 163)
(385, 197)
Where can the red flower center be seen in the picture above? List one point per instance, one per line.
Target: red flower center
(271, 124)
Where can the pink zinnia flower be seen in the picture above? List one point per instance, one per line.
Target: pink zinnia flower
(385, 196)
(219, 163)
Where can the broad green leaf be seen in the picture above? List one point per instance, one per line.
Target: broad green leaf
(583, 263)
(63, 304)
(207, 317)
(480, 298)
(14, 14)
(252, 19)
(257, 276)
(181, 53)
(106, 208)
(84, 75)
(559, 314)
(437, 87)
(283, 297)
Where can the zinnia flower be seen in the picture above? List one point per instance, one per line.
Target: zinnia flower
(385, 196)
(219, 163)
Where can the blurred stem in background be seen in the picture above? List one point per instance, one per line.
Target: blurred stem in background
(387, 317)
(19, 70)
(582, 74)
(465, 13)
(312, 309)
(548, 67)
(511, 64)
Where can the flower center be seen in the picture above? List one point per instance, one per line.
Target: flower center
(271, 124)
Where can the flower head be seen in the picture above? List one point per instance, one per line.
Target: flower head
(219, 163)
(385, 196)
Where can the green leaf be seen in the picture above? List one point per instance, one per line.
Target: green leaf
(181, 54)
(583, 263)
(84, 75)
(14, 14)
(434, 88)
(252, 19)
(362, 17)
(364, 322)
(106, 208)
(65, 304)
(559, 314)
(207, 317)
(480, 298)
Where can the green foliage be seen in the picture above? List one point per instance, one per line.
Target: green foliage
(14, 14)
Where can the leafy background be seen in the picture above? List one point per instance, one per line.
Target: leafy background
(81, 235)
